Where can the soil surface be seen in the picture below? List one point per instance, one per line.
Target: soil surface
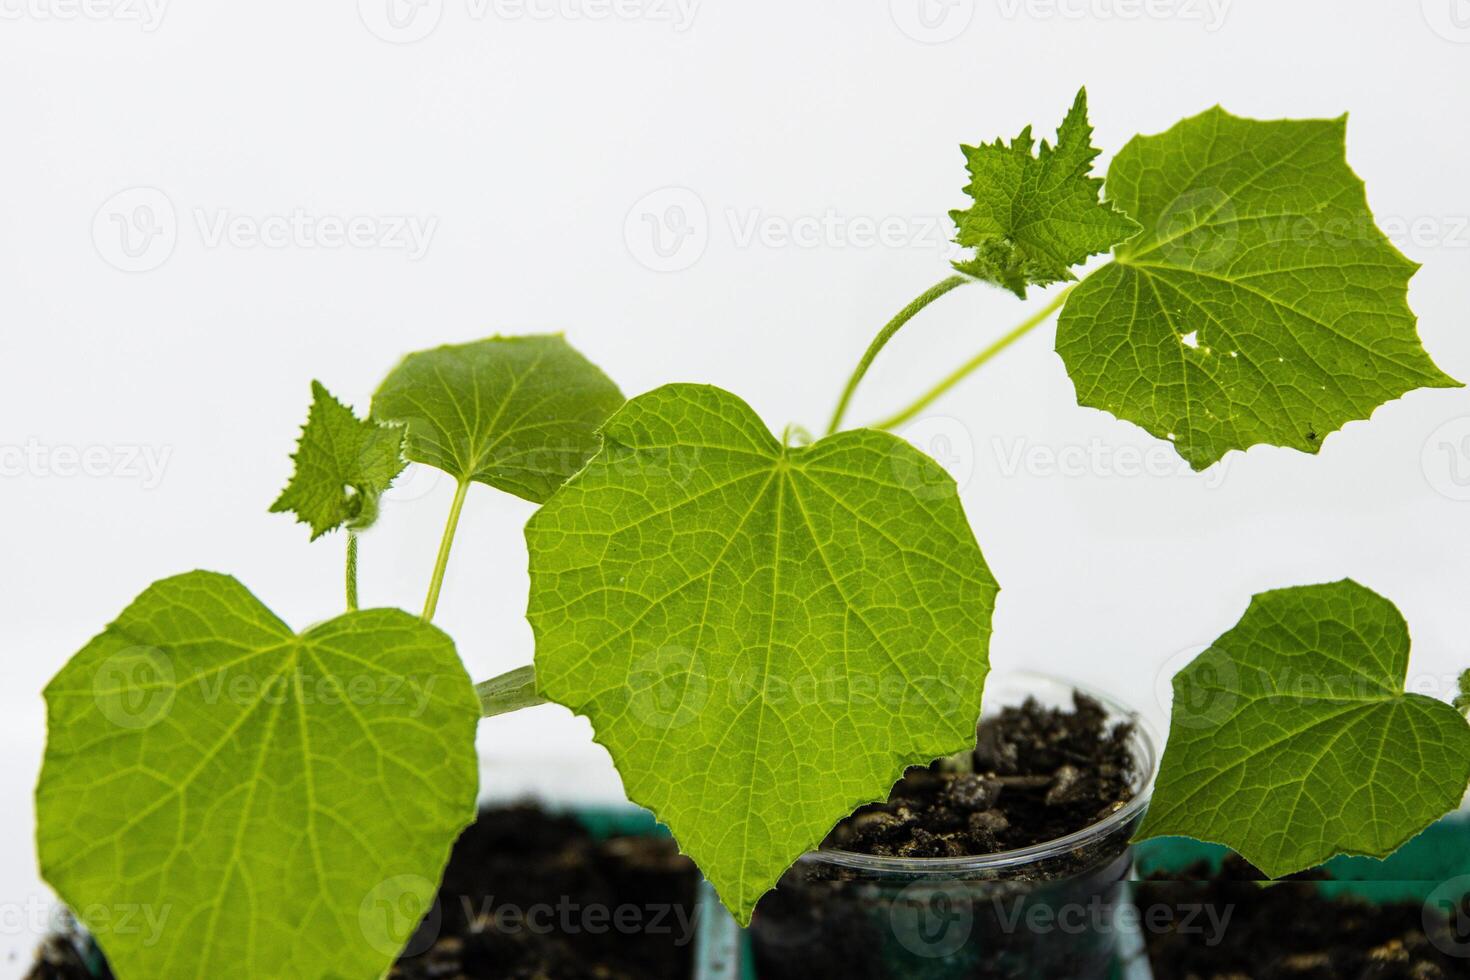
(1288, 931)
(532, 896)
(1036, 774)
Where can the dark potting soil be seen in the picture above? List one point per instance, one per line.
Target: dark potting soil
(1288, 931)
(1036, 774)
(529, 895)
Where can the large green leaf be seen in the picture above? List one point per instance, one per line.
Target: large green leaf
(260, 803)
(342, 466)
(1033, 217)
(1260, 303)
(517, 413)
(763, 636)
(1292, 739)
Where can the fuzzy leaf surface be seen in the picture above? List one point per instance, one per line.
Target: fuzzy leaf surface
(1036, 213)
(1293, 740)
(276, 804)
(517, 413)
(1260, 303)
(762, 636)
(343, 464)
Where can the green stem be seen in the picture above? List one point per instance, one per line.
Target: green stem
(884, 336)
(351, 571)
(509, 692)
(964, 370)
(442, 562)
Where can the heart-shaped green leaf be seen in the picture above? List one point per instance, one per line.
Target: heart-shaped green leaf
(259, 803)
(763, 636)
(1293, 740)
(517, 413)
(1260, 303)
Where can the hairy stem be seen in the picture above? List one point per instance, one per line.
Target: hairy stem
(964, 370)
(884, 336)
(351, 571)
(509, 692)
(445, 543)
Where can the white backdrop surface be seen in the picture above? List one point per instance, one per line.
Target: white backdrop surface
(204, 206)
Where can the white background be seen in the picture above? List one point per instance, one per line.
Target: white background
(523, 141)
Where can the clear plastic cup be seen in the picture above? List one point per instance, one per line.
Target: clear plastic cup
(1044, 911)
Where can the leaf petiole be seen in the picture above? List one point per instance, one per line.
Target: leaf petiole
(884, 336)
(351, 571)
(442, 562)
(510, 691)
(964, 370)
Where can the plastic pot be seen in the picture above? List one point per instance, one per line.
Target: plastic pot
(1043, 911)
(1432, 870)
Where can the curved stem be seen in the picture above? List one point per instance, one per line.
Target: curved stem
(351, 571)
(510, 691)
(884, 336)
(442, 562)
(964, 370)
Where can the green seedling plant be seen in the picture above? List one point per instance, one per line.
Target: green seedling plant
(278, 789)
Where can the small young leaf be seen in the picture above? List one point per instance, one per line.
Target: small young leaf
(342, 466)
(1293, 740)
(517, 413)
(1035, 217)
(763, 636)
(1260, 304)
(1462, 700)
(272, 804)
